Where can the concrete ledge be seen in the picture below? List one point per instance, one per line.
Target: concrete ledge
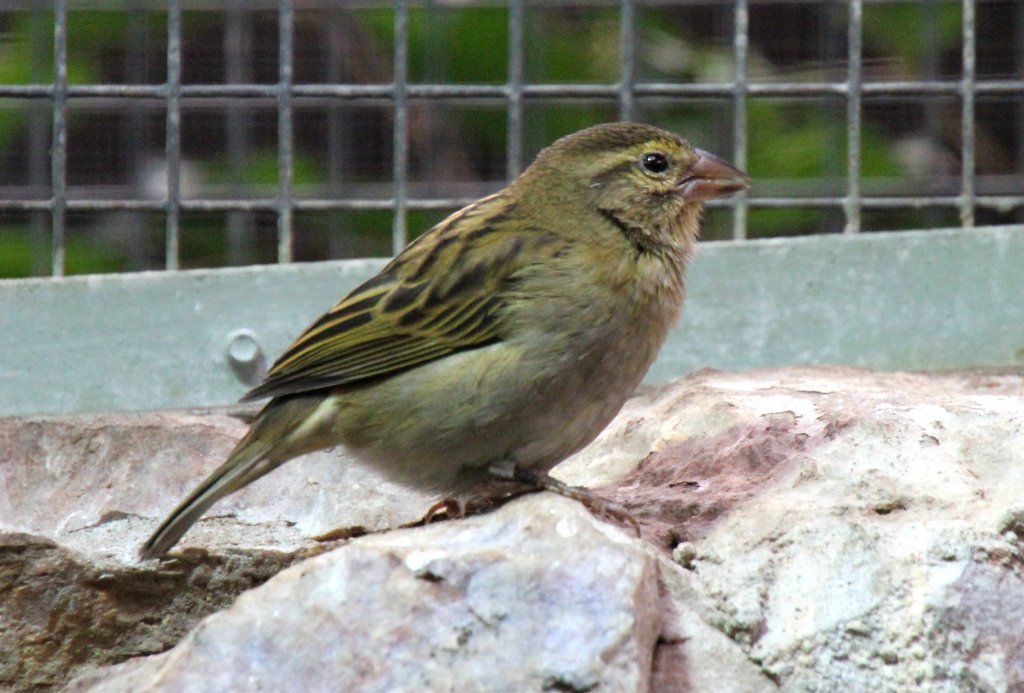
(928, 300)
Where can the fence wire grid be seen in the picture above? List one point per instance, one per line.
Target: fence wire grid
(138, 136)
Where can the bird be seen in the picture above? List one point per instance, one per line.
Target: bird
(502, 340)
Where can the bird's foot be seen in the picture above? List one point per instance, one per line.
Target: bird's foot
(541, 481)
(487, 496)
(449, 507)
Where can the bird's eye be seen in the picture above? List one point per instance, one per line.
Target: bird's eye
(654, 162)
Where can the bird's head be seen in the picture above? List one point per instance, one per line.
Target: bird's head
(647, 181)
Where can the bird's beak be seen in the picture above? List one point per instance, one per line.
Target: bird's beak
(710, 177)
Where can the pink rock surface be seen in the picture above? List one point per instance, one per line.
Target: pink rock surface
(808, 528)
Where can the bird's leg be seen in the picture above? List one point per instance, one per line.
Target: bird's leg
(511, 480)
(541, 481)
(493, 491)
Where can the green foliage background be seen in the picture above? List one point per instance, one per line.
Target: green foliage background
(796, 143)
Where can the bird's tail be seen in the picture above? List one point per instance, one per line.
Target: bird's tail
(246, 464)
(270, 442)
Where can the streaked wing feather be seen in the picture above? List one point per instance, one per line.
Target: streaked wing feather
(406, 317)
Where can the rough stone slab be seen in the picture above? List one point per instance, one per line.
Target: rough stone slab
(536, 596)
(61, 612)
(847, 528)
(810, 529)
(67, 477)
(79, 495)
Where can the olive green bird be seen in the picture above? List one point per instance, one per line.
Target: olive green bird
(501, 341)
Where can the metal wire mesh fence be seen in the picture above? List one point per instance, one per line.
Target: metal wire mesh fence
(138, 136)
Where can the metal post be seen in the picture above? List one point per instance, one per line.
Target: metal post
(238, 56)
(173, 144)
(400, 134)
(514, 155)
(285, 167)
(852, 203)
(59, 157)
(739, 110)
(967, 119)
(627, 57)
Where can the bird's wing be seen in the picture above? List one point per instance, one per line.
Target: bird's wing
(441, 295)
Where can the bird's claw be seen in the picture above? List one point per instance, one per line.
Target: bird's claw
(451, 507)
(590, 500)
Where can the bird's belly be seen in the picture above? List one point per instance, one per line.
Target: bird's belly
(500, 402)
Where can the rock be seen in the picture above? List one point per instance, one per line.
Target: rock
(536, 596)
(66, 475)
(851, 530)
(804, 528)
(79, 495)
(61, 612)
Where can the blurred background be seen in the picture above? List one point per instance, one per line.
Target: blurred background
(793, 135)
